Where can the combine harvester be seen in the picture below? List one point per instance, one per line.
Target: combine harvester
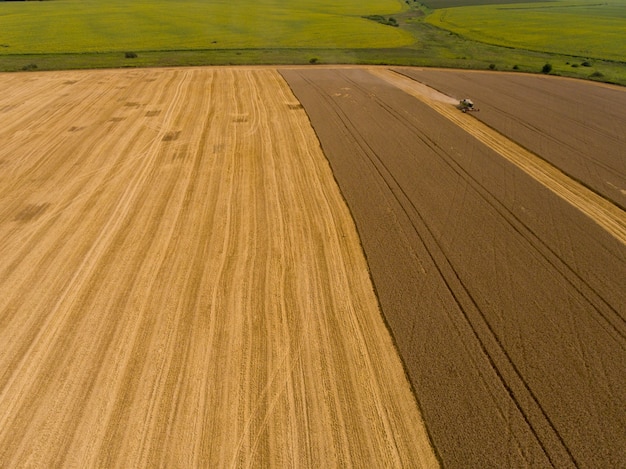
(466, 105)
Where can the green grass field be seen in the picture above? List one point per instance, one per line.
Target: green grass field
(72, 34)
(584, 28)
(78, 26)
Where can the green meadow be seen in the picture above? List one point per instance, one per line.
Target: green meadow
(578, 38)
(79, 26)
(584, 28)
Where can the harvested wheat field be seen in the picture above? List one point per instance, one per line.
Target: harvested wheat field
(183, 275)
(500, 274)
(181, 283)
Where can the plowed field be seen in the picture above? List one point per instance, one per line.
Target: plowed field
(181, 283)
(505, 297)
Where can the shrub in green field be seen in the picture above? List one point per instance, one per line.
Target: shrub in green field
(547, 68)
(391, 21)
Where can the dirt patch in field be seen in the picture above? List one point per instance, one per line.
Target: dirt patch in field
(195, 297)
(506, 302)
(30, 212)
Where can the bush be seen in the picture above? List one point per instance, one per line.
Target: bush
(313, 60)
(29, 67)
(586, 63)
(596, 75)
(391, 21)
(547, 68)
(515, 67)
(130, 55)
(492, 66)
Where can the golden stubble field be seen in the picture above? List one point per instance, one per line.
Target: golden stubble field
(181, 283)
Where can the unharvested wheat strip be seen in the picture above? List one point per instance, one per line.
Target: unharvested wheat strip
(604, 213)
(194, 294)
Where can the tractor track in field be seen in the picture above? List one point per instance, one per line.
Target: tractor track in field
(479, 325)
(602, 211)
(605, 213)
(474, 266)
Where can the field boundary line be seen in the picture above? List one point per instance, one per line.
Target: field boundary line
(606, 214)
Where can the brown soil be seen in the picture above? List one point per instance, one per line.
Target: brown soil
(181, 283)
(506, 301)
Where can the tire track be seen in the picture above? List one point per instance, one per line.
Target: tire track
(603, 212)
(609, 216)
(491, 347)
(385, 153)
(573, 124)
(607, 313)
(490, 341)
